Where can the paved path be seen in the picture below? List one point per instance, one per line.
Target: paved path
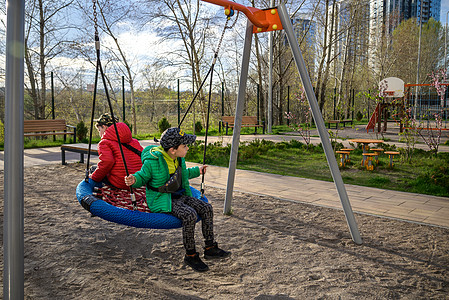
(407, 206)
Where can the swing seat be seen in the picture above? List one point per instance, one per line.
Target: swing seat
(133, 218)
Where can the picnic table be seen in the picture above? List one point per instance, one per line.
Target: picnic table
(365, 143)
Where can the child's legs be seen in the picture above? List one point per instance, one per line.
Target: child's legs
(187, 210)
(188, 217)
(206, 212)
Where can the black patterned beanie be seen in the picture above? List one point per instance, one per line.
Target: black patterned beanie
(106, 119)
(174, 136)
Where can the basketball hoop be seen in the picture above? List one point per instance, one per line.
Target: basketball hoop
(391, 87)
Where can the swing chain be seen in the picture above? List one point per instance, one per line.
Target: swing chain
(221, 39)
(94, 2)
(235, 21)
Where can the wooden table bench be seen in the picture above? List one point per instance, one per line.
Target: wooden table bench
(344, 157)
(368, 160)
(391, 154)
(336, 122)
(247, 121)
(377, 151)
(78, 148)
(48, 127)
(348, 159)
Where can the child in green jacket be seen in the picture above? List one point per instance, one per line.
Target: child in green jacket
(166, 178)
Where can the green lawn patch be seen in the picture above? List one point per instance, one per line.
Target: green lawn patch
(425, 174)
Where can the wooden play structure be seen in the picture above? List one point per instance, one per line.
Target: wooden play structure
(392, 95)
(395, 98)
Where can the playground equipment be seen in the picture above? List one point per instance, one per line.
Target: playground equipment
(268, 20)
(13, 238)
(396, 96)
(392, 95)
(119, 215)
(105, 210)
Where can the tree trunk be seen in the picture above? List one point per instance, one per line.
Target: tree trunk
(262, 111)
(328, 59)
(343, 70)
(281, 89)
(33, 92)
(42, 60)
(319, 84)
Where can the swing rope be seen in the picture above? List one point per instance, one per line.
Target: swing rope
(211, 68)
(100, 68)
(210, 72)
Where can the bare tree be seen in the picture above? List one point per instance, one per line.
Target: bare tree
(45, 38)
(188, 23)
(156, 80)
(68, 83)
(327, 23)
(111, 16)
(352, 27)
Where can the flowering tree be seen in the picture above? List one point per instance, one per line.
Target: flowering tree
(409, 135)
(432, 136)
(438, 78)
(303, 128)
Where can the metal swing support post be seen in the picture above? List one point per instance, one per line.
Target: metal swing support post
(263, 20)
(238, 117)
(325, 141)
(13, 222)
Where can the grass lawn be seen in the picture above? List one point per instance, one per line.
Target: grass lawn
(425, 174)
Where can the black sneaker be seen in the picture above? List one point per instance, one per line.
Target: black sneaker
(195, 262)
(215, 252)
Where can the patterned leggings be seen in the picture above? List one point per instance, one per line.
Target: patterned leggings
(187, 209)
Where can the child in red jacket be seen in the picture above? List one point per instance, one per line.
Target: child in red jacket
(110, 168)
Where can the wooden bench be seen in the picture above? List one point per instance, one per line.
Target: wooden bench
(368, 161)
(48, 127)
(391, 154)
(377, 151)
(78, 148)
(344, 157)
(336, 122)
(348, 159)
(247, 121)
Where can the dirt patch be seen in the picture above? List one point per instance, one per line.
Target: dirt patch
(281, 250)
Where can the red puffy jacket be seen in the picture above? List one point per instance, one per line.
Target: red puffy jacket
(111, 162)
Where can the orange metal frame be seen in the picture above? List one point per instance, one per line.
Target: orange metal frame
(263, 20)
(421, 84)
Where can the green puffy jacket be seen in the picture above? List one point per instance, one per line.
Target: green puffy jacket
(155, 173)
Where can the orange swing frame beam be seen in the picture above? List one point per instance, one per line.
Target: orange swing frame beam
(263, 19)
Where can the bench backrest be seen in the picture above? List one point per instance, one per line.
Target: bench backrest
(245, 120)
(44, 125)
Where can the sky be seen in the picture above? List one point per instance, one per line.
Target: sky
(443, 11)
(137, 41)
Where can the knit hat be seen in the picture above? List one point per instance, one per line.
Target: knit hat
(106, 119)
(174, 136)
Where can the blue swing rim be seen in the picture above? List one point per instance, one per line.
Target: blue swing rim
(138, 219)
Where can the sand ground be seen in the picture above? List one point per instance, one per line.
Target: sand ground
(281, 250)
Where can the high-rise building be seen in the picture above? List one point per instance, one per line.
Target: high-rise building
(395, 11)
(348, 20)
(385, 16)
(306, 29)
